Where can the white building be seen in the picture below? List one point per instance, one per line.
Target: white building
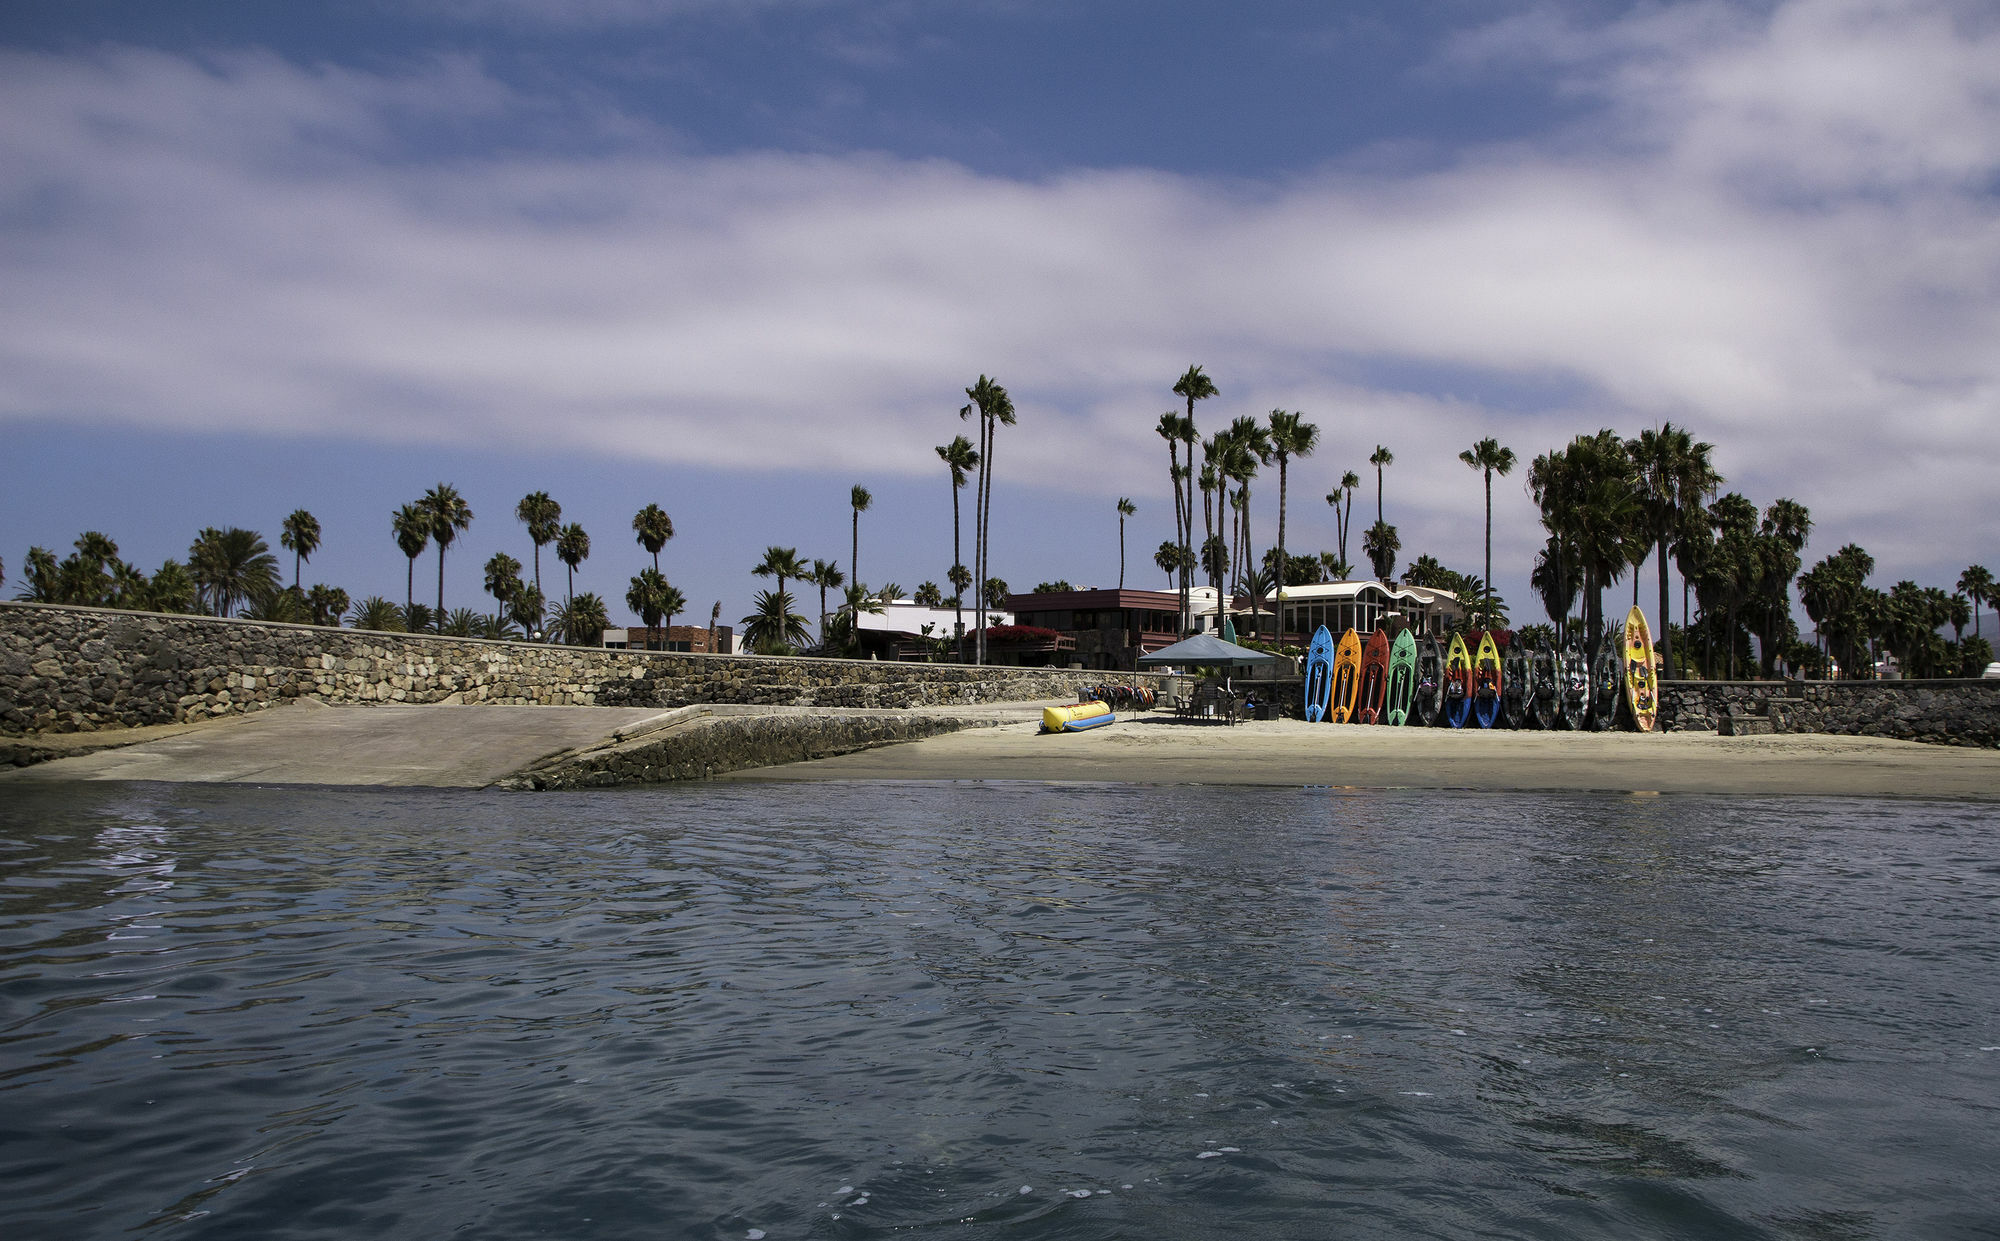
(1362, 606)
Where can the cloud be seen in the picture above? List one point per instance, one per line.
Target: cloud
(1780, 230)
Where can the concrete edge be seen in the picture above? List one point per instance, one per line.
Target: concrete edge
(695, 743)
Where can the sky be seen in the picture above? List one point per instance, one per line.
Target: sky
(736, 256)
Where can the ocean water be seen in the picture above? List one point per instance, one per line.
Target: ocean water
(864, 1010)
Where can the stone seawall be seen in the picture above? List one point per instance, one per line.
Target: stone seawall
(1942, 712)
(65, 669)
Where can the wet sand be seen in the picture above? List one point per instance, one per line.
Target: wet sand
(1157, 749)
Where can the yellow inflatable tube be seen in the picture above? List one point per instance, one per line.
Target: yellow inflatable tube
(1076, 718)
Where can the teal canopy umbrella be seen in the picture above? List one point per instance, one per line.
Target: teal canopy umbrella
(1205, 650)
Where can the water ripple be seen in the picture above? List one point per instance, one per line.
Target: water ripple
(845, 1011)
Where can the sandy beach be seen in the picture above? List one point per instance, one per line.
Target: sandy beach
(1157, 749)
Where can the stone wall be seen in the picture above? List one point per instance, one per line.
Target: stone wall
(69, 669)
(1943, 712)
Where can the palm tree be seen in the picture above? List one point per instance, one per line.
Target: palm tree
(958, 456)
(1490, 458)
(572, 548)
(41, 577)
(1676, 476)
(449, 514)
(1731, 569)
(1168, 557)
(995, 409)
(526, 607)
(1380, 544)
(773, 628)
(462, 623)
(1169, 429)
(858, 499)
(1249, 448)
(1848, 604)
(299, 536)
(1958, 614)
(375, 612)
(1557, 579)
(1192, 386)
(1125, 509)
(961, 581)
(1214, 548)
(826, 575)
(1588, 497)
(1782, 537)
(1976, 584)
(412, 527)
(648, 597)
(1341, 499)
(171, 589)
(231, 567)
(543, 518)
(584, 618)
(781, 563)
(1426, 570)
(847, 622)
(1291, 436)
(654, 528)
(503, 579)
(927, 595)
(672, 604)
(1379, 458)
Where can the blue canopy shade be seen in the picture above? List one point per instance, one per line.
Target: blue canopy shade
(1205, 650)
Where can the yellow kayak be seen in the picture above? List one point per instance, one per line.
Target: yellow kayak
(1642, 685)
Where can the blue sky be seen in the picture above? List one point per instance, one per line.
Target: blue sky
(735, 257)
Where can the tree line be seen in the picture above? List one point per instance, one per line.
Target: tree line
(1606, 503)
(233, 572)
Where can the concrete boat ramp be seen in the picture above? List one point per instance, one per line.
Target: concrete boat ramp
(448, 746)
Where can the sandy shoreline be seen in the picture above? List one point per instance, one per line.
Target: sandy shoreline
(1156, 749)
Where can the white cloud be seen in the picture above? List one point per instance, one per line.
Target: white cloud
(1790, 242)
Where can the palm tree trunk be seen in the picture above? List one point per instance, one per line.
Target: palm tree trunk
(1593, 609)
(1346, 525)
(1173, 481)
(1284, 565)
(958, 607)
(1121, 551)
(438, 620)
(1208, 537)
(1664, 643)
(1189, 562)
(981, 532)
(410, 588)
(1489, 547)
(1248, 559)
